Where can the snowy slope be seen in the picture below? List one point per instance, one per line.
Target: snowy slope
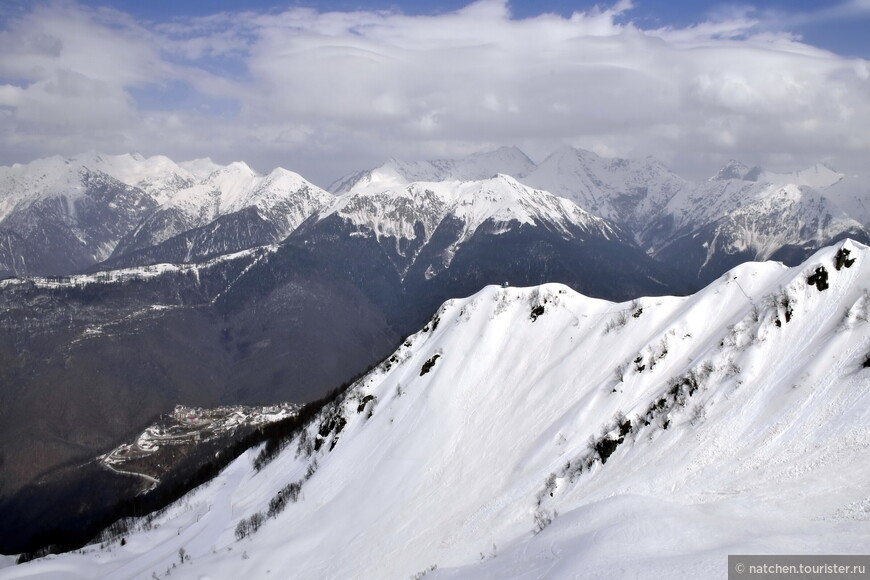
(731, 218)
(58, 215)
(768, 216)
(737, 186)
(92, 205)
(282, 198)
(853, 195)
(405, 217)
(158, 176)
(508, 160)
(817, 175)
(393, 211)
(193, 206)
(534, 432)
(630, 192)
(23, 184)
(741, 211)
(658, 208)
(786, 215)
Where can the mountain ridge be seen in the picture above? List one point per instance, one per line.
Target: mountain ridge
(662, 211)
(732, 420)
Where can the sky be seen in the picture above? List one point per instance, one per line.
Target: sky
(326, 88)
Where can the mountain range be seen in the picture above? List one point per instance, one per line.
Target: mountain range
(701, 228)
(59, 216)
(538, 432)
(283, 322)
(135, 284)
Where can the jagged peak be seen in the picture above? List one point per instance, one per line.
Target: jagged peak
(393, 211)
(241, 167)
(570, 152)
(508, 159)
(818, 175)
(737, 170)
(285, 183)
(282, 173)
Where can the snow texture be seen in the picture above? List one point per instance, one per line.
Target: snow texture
(538, 433)
(501, 200)
(657, 206)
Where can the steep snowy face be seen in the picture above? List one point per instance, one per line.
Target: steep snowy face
(500, 199)
(507, 160)
(415, 211)
(60, 216)
(853, 195)
(737, 170)
(158, 175)
(817, 175)
(785, 215)
(395, 212)
(724, 222)
(21, 185)
(723, 199)
(629, 192)
(535, 432)
(656, 207)
(283, 199)
(212, 196)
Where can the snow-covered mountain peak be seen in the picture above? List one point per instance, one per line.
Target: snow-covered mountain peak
(200, 168)
(394, 210)
(500, 200)
(23, 184)
(737, 170)
(818, 175)
(222, 189)
(503, 199)
(507, 160)
(510, 160)
(567, 153)
(283, 191)
(157, 175)
(240, 167)
(280, 177)
(626, 191)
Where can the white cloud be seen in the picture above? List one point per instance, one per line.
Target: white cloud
(324, 93)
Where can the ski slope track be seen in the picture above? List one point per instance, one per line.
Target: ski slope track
(537, 433)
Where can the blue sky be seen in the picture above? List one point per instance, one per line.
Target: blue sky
(847, 34)
(324, 88)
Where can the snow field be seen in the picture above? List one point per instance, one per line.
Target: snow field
(738, 435)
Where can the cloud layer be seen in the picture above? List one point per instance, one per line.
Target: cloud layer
(326, 93)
